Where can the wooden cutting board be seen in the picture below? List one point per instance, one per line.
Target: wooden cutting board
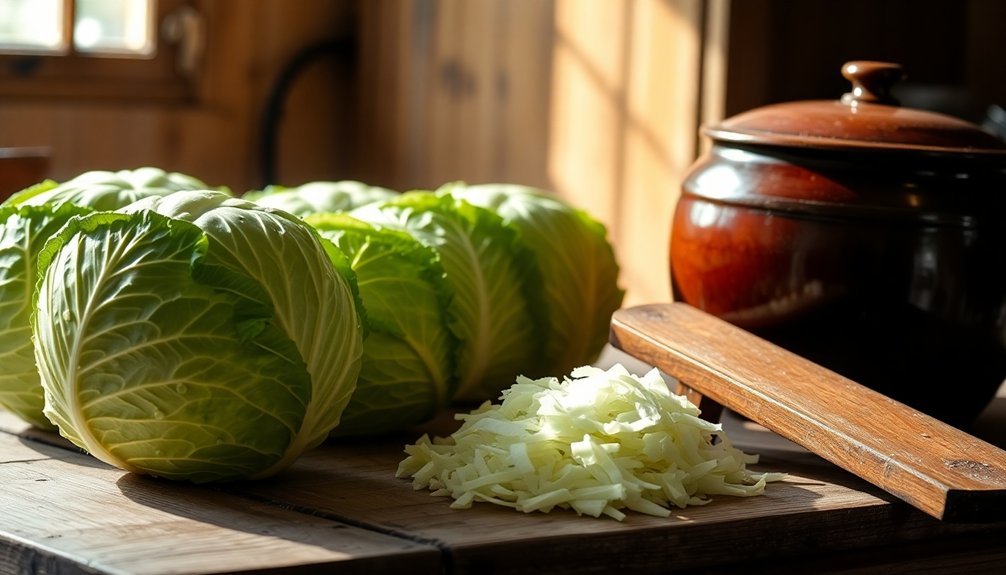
(937, 468)
(340, 508)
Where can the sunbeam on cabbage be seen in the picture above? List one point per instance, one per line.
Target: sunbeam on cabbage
(195, 337)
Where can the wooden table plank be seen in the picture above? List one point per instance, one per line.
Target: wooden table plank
(821, 519)
(819, 509)
(64, 512)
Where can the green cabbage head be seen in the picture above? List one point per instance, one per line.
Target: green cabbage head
(195, 337)
(409, 354)
(28, 219)
(320, 197)
(107, 190)
(576, 262)
(496, 307)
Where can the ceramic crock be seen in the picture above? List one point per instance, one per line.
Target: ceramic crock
(865, 236)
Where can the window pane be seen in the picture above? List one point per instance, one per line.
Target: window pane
(120, 27)
(32, 26)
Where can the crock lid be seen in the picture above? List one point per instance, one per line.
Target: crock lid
(866, 118)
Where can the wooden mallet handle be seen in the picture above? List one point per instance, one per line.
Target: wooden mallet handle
(935, 467)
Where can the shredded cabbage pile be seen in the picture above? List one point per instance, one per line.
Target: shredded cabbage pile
(596, 442)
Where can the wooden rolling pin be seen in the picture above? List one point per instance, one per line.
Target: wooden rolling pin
(935, 467)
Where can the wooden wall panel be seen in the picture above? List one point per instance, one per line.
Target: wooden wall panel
(589, 101)
(530, 25)
(454, 90)
(384, 61)
(595, 101)
(660, 138)
(626, 108)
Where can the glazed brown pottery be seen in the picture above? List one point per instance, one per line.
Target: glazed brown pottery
(867, 237)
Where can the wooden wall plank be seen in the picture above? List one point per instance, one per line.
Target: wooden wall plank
(470, 80)
(625, 114)
(524, 85)
(394, 43)
(587, 103)
(660, 135)
(450, 81)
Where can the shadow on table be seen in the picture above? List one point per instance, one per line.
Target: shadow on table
(302, 541)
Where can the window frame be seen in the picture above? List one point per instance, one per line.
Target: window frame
(84, 75)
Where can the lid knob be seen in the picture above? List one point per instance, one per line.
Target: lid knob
(871, 82)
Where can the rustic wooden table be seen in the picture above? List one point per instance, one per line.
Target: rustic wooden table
(341, 509)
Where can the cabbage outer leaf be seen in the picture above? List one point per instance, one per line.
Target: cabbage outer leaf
(24, 230)
(32, 215)
(106, 191)
(315, 303)
(320, 197)
(577, 264)
(408, 370)
(495, 311)
(219, 350)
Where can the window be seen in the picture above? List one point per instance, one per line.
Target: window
(124, 49)
(97, 27)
